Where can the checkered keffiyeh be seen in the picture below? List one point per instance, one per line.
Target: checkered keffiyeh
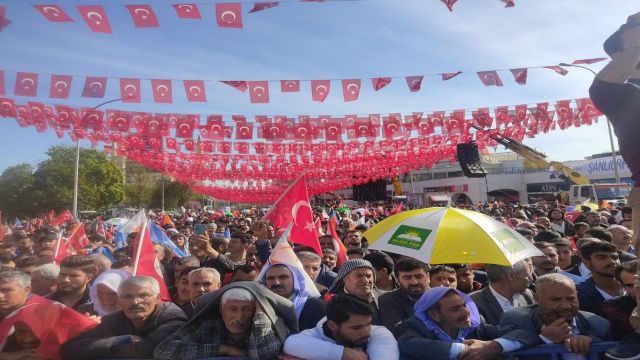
(348, 267)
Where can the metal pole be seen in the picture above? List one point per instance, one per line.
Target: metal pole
(614, 158)
(75, 181)
(75, 177)
(163, 192)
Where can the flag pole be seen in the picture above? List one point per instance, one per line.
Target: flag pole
(139, 244)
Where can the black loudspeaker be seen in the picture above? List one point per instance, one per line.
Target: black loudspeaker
(373, 191)
(469, 159)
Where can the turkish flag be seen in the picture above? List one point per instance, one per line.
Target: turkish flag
(333, 131)
(214, 129)
(379, 83)
(185, 127)
(143, 16)
(78, 239)
(502, 116)
(8, 108)
(236, 84)
(162, 91)
(229, 15)
(61, 251)
(96, 18)
(195, 90)
(244, 130)
(4, 22)
(187, 11)
(171, 143)
(145, 262)
(60, 86)
(482, 118)
(509, 3)
(289, 85)
(351, 89)
(392, 126)
(94, 87)
(414, 83)
(273, 131)
(130, 90)
(259, 6)
(449, 3)
(64, 217)
(490, 78)
(53, 13)
(558, 69)
(52, 323)
(425, 127)
(91, 119)
(65, 116)
(119, 121)
(520, 75)
(292, 207)
(588, 61)
(26, 84)
(258, 92)
(449, 76)
(320, 89)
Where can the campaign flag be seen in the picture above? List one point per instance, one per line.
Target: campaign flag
(62, 218)
(292, 207)
(51, 322)
(78, 239)
(158, 236)
(282, 253)
(120, 240)
(338, 245)
(102, 250)
(145, 261)
(17, 223)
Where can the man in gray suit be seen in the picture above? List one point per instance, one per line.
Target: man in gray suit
(556, 318)
(507, 289)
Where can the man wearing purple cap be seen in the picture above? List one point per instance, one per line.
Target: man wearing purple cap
(447, 325)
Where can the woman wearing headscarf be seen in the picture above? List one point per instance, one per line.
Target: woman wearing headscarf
(104, 293)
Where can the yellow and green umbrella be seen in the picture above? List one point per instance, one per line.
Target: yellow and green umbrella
(449, 235)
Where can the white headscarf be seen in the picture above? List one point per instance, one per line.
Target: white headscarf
(111, 279)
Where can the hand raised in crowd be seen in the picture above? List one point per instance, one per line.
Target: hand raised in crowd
(260, 230)
(478, 350)
(558, 331)
(579, 344)
(202, 242)
(354, 354)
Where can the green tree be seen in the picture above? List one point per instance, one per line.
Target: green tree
(99, 181)
(139, 185)
(16, 184)
(175, 195)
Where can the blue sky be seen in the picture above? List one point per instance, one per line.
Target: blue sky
(331, 40)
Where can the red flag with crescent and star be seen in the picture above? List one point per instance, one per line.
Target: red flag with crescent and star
(229, 15)
(96, 18)
(292, 207)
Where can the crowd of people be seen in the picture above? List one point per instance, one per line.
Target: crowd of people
(228, 300)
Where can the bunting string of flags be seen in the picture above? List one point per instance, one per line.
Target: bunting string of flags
(28, 84)
(258, 167)
(227, 15)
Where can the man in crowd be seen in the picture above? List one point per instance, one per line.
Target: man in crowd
(44, 279)
(201, 281)
(465, 278)
(601, 258)
(76, 273)
(556, 318)
(397, 306)
(507, 289)
(345, 333)
(622, 238)
(548, 263)
(289, 282)
(132, 332)
(243, 319)
(565, 254)
(313, 266)
(447, 325)
(385, 277)
(329, 259)
(618, 310)
(15, 287)
(559, 223)
(357, 278)
(244, 273)
(200, 246)
(353, 239)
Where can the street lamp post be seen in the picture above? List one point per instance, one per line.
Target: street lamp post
(75, 176)
(614, 158)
